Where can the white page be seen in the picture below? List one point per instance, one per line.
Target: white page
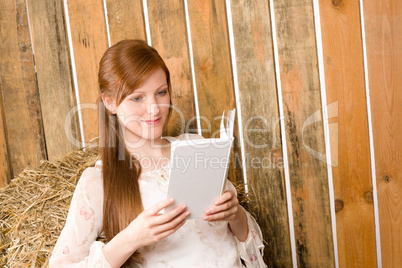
(197, 175)
(198, 170)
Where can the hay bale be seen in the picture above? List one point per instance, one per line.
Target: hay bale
(34, 207)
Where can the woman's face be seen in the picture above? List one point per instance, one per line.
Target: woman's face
(143, 114)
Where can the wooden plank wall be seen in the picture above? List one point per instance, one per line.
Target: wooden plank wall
(167, 20)
(21, 113)
(261, 132)
(384, 57)
(301, 99)
(54, 75)
(49, 62)
(344, 79)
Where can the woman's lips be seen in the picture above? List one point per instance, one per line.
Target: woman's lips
(152, 122)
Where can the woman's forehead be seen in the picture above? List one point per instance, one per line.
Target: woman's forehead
(153, 82)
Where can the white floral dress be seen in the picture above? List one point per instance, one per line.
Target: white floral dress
(196, 244)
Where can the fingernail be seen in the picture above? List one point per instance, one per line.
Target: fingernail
(183, 206)
(207, 211)
(187, 213)
(206, 218)
(171, 199)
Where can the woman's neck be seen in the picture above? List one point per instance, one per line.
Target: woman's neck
(152, 153)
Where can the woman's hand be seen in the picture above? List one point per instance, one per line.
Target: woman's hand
(226, 208)
(150, 227)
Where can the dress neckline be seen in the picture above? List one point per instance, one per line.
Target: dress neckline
(163, 167)
(155, 170)
(160, 172)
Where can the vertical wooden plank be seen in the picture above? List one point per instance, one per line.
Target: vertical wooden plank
(168, 32)
(19, 90)
(52, 59)
(126, 20)
(5, 170)
(383, 24)
(344, 79)
(212, 67)
(213, 73)
(89, 38)
(301, 100)
(261, 131)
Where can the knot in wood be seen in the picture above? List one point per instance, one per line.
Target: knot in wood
(338, 205)
(368, 197)
(387, 178)
(337, 3)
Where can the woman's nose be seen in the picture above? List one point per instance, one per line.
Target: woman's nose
(153, 107)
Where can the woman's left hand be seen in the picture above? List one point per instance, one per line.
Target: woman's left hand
(226, 208)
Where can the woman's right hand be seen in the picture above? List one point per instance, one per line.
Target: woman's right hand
(150, 226)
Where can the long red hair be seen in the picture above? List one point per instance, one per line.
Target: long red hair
(123, 68)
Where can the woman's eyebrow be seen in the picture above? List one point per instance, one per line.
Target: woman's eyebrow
(164, 85)
(140, 91)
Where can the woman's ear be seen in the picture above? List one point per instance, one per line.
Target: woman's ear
(110, 103)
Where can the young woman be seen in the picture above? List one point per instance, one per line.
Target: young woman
(120, 199)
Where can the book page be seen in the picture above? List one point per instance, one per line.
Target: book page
(197, 175)
(198, 169)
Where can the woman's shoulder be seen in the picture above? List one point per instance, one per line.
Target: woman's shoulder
(91, 179)
(93, 172)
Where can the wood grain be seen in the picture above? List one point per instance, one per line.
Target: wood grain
(261, 130)
(213, 72)
(212, 67)
(5, 169)
(344, 79)
(53, 65)
(301, 100)
(384, 58)
(20, 94)
(89, 36)
(126, 20)
(167, 22)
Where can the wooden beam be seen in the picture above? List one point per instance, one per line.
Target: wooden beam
(5, 169)
(89, 38)
(212, 66)
(53, 66)
(22, 112)
(301, 101)
(261, 131)
(213, 73)
(167, 21)
(126, 20)
(344, 79)
(384, 58)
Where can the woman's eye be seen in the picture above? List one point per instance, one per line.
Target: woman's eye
(136, 99)
(163, 92)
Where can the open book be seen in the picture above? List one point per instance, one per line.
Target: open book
(198, 169)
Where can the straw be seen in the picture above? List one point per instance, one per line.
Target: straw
(34, 207)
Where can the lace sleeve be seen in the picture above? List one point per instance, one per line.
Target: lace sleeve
(251, 250)
(77, 245)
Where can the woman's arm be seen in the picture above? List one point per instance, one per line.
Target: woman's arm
(77, 245)
(148, 228)
(244, 227)
(239, 227)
